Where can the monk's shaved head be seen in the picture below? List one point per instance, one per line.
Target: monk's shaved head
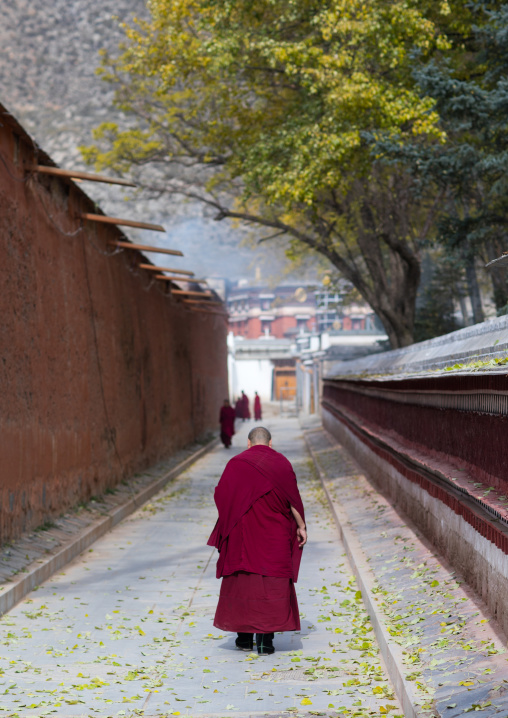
(259, 435)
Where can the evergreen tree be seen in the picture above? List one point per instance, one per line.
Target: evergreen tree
(469, 169)
(440, 292)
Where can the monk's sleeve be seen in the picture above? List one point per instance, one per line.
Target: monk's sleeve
(220, 495)
(298, 503)
(216, 535)
(214, 539)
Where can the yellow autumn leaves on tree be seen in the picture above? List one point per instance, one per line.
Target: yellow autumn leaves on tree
(267, 111)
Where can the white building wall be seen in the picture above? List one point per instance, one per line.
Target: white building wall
(232, 378)
(250, 375)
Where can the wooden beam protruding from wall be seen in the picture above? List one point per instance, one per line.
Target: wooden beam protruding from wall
(203, 302)
(123, 222)
(146, 248)
(75, 174)
(172, 278)
(151, 268)
(189, 293)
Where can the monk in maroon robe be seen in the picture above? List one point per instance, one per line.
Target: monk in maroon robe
(239, 408)
(257, 407)
(259, 534)
(245, 406)
(227, 423)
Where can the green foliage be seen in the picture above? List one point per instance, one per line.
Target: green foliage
(479, 365)
(359, 129)
(470, 167)
(277, 93)
(268, 112)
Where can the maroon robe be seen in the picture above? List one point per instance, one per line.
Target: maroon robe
(227, 424)
(257, 408)
(256, 537)
(239, 408)
(245, 407)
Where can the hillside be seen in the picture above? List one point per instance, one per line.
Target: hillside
(48, 81)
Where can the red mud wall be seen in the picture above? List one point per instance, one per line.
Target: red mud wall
(99, 375)
(470, 440)
(434, 448)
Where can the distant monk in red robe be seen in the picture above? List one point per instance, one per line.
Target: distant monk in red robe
(239, 408)
(259, 534)
(257, 407)
(227, 423)
(245, 406)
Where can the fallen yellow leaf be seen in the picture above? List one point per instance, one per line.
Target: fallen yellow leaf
(306, 702)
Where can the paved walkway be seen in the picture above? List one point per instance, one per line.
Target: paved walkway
(127, 628)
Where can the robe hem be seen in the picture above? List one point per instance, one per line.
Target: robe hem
(249, 628)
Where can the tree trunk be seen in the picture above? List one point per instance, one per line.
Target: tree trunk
(498, 276)
(384, 266)
(462, 304)
(398, 332)
(474, 291)
(394, 305)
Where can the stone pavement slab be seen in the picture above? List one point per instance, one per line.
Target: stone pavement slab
(453, 653)
(126, 629)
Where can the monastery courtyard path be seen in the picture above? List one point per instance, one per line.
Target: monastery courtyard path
(126, 629)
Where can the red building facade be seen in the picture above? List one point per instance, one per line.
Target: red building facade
(281, 313)
(292, 309)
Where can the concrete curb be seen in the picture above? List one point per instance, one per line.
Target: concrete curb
(85, 538)
(391, 652)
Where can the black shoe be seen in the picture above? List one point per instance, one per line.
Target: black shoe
(245, 642)
(264, 643)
